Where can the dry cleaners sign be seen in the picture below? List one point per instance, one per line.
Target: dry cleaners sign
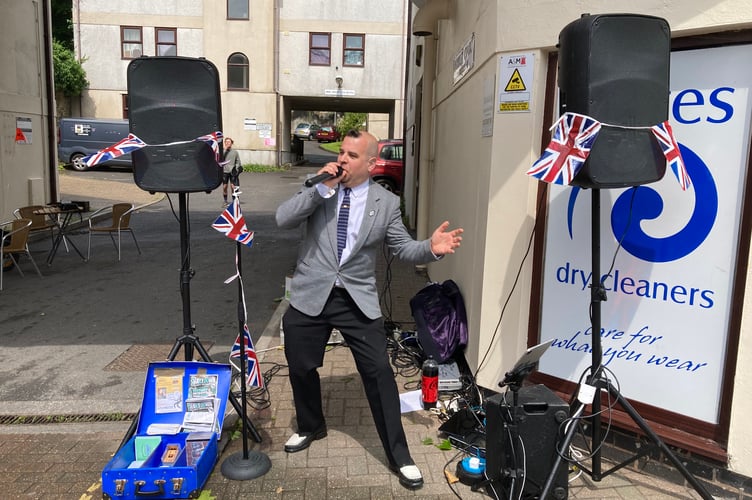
(666, 319)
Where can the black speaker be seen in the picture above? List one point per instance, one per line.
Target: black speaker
(172, 101)
(615, 68)
(537, 416)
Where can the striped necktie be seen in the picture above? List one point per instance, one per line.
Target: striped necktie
(344, 213)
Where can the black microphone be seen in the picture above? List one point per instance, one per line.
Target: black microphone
(312, 181)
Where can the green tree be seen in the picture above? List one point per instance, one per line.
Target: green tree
(70, 77)
(351, 121)
(62, 26)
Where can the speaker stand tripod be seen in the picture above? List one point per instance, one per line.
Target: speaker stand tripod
(188, 340)
(601, 383)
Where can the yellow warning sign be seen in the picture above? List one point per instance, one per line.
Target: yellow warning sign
(515, 82)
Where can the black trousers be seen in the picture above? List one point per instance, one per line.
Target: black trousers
(305, 344)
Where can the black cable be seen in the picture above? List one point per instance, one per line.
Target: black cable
(386, 292)
(514, 285)
(446, 477)
(258, 398)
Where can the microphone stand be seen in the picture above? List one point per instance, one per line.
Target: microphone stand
(244, 465)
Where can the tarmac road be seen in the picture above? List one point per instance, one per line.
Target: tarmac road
(77, 340)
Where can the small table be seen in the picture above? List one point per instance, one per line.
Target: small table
(61, 217)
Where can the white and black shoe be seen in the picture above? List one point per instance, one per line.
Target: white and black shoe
(409, 476)
(299, 442)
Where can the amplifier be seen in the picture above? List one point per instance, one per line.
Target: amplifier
(537, 415)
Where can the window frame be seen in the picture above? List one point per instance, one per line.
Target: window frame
(123, 41)
(247, 10)
(246, 73)
(158, 44)
(312, 47)
(361, 50)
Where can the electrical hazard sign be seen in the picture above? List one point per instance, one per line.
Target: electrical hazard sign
(23, 130)
(515, 82)
(517, 71)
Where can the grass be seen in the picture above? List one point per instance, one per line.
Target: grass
(332, 147)
(255, 167)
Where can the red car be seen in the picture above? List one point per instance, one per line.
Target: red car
(327, 134)
(390, 165)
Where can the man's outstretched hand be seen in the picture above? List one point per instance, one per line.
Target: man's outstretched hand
(443, 241)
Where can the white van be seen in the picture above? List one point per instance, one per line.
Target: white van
(80, 137)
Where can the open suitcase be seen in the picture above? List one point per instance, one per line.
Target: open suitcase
(174, 448)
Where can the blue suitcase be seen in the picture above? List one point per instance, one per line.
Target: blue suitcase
(174, 448)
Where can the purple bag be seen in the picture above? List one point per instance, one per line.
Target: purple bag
(440, 318)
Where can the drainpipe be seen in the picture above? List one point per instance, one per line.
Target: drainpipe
(425, 25)
(277, 100)
(51, 110)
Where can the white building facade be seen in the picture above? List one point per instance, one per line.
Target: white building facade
(27, 108)
(468, 150)
(273, 57)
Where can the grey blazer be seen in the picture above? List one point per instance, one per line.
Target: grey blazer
(318, 269)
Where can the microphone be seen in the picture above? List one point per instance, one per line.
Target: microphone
(312, 181)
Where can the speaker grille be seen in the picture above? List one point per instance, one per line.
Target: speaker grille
(615, 68)
(174, 99)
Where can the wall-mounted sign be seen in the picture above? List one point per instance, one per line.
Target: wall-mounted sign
(515, 82)
(464, 59)
(665, 322)
(23, 130)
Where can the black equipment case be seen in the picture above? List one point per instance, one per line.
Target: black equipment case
(175, 447)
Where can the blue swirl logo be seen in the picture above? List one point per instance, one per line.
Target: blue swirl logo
(648, 205)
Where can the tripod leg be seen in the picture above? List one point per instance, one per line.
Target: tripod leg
(699, 488)
(578, 409)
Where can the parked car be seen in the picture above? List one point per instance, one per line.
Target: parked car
(306, 131)
(81, 137)
(390, 165)
(327, 134)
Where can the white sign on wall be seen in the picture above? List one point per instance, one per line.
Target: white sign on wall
(665, 322)
(515, 82)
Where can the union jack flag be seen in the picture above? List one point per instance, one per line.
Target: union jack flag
(570, 145)
(213, 141)
(127, 145)
(253, 371)
(232, 223)
(665, 135)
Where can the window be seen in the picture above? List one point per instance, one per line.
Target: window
(131, 42)
(237, 72)
(237, 9)
(353, 50)
(320, 53)
(167, 41)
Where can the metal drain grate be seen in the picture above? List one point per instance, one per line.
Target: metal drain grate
(65, 419)
(138, 356)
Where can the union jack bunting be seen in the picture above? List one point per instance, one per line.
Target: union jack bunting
(213, 141)
(232, 223)
(127, 145)
(132, 143)
(665, 136)
(573, 136)
(253, 371)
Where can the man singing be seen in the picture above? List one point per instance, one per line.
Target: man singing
(348, 218)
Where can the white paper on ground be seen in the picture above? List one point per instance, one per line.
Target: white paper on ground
(411, 401)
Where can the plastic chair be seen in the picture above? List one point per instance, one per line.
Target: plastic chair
(38, 222)
(120, 223)
(16, 242)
